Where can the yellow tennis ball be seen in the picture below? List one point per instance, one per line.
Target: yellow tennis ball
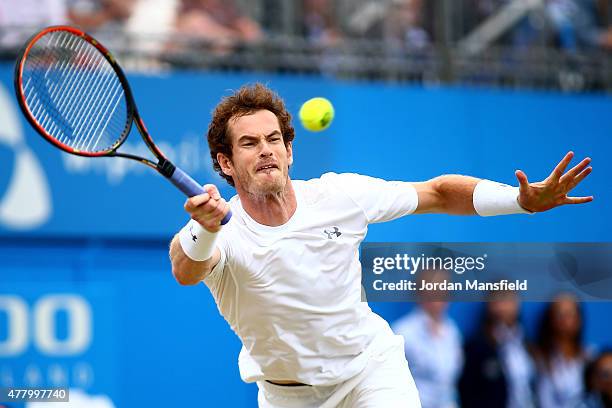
(316, 114)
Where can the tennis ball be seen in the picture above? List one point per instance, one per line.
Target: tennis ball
(316, 114)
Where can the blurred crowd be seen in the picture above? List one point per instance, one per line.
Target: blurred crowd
(570, 25)
(217, 21)
(498, 366)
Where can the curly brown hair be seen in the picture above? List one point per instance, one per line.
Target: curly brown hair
(245, 101)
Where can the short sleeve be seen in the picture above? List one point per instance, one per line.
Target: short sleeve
(380, 200)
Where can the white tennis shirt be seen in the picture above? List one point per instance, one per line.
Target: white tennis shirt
(292, 293)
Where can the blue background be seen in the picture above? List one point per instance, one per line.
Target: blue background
(158, 344)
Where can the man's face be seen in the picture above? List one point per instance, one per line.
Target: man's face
(504, 308)
(260, 161)
(566, 317)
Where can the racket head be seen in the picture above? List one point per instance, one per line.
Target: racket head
(73, 92)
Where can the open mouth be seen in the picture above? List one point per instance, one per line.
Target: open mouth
(267, 167)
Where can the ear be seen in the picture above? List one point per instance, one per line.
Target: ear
(290, 153)
(226, 164)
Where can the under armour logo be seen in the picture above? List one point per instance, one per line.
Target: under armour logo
(335, 232)
(193, 237)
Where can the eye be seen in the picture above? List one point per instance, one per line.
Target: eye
(275, 139)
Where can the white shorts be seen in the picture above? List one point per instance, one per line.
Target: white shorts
(386, 382)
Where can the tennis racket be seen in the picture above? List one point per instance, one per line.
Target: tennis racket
(73, 92)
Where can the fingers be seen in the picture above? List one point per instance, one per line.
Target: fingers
(210, 214)
(194, 202)
(212, 190)
(581, 177)
(570, 175)
(208, 208)
(213, 210)
(560, 169)
(578, 200)
(522, 179)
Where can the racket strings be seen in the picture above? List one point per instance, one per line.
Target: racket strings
(74, 94)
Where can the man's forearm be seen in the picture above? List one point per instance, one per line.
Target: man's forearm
(185, 270)
(456, 194)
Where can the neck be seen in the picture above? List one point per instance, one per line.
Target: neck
(566, 346)
(270, 209)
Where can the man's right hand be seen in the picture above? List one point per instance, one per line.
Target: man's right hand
(207, 209)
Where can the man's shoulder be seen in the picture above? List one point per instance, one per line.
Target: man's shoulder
(328, 185)
(332, 176)
(342, 180)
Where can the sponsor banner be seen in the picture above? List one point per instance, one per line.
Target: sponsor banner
(47, 193)
(408, 272)
(54, 338)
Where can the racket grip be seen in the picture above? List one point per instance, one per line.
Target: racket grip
(191, 188)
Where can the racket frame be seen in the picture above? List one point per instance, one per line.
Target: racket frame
(163, 166)
(166, 168)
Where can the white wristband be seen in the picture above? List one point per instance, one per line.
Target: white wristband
(197, 242)
(492, 198)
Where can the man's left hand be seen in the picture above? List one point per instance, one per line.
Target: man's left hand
(553, 191)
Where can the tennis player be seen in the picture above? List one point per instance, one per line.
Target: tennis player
(285, 272)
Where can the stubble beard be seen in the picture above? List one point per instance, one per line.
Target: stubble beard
(263, 191)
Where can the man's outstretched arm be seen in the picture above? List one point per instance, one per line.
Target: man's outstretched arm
(448, 194)
(464, 195)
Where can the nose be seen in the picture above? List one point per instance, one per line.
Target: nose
(265, 149)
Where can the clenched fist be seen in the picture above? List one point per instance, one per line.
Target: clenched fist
(207, 209)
